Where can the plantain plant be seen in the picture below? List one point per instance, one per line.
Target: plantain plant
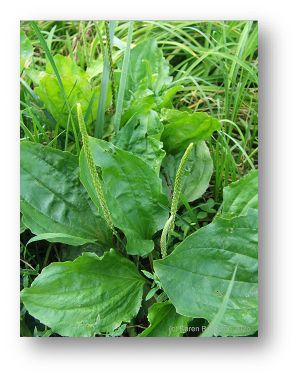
(119, 201)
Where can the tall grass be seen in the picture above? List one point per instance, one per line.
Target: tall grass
(215, 61)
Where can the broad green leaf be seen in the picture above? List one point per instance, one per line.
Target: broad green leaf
(77, 88)
(142, 102)
(141, 136)
(148, 68)
(164, 321)
(133, 192)
(87, 296)
(145, 100)
(26, 51)
(198, 171)
(203, 265)
(182, 128)
(240, 196)
(54, 203)
(215, 324)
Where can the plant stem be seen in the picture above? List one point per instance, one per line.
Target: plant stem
(164, 235)
(131, 330)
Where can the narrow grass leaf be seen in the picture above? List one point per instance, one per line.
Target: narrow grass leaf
(216, 322)
(123, 79)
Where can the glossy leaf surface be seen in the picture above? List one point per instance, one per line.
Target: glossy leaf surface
(141, 136)
(215, 324)
(54, 203)
(203, 265)
(240, 196)
(198, 171)
(87, 296)
(165, 322)
(133, 192)
(182, 128)
(77, 88)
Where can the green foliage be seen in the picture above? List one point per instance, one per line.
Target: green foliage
(105, 194)
(148, 68)
(241, 196)
(76, 86)
(203, 265)
(107, 68)
(177, 189)
(88, 296)
(133, 192)
(26, 51)
(54, 204)
(182, 128)
(197, 175)
(215, 324)
(123, 79)
(141, 136)
(164, 321)
(92, 171)
(168, 228)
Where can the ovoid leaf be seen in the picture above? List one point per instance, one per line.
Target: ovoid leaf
(54, 203)
(148, 68)
(77, 88)
(164, 321)
(182, 128)
(203, 265)
(133, 192)
(240, 196)
(198, 171)
(87, 296)
(141, 136)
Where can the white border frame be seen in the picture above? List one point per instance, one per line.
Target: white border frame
(276, 348)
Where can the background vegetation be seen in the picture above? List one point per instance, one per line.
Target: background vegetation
(216, 64)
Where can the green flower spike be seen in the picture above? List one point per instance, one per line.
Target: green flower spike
(169, 225)
(92, 169)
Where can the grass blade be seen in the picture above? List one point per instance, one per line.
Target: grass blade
(212, 328)
(123, 79)
(51, 60)
(60, 83)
